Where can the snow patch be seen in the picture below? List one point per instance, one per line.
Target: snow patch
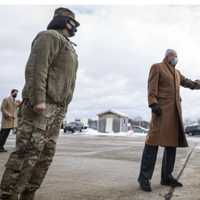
(93, 132)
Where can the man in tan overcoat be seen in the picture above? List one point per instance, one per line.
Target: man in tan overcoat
(9, 117)
(166, 127)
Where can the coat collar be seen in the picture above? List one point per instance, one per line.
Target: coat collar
(170, 67)
(62, 32)
(11, 98)
(66, 36)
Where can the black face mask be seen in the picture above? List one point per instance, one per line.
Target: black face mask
(72, 31)
(73, 27)
(60, 22)
(14, 95)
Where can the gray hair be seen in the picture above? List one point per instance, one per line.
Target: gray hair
(169, 51)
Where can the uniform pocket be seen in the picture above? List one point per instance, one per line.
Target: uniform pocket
(38, 120)
(50, 110)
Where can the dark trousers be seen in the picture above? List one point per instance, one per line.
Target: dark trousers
(4, 133)
(149, 160)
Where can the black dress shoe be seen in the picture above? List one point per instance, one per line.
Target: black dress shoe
(171, 182)
(145, 185)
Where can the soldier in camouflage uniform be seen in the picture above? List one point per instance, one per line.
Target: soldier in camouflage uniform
(50, 80)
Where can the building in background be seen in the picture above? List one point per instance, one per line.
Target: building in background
(112, 121)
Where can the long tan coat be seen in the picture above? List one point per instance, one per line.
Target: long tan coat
(9, 113)
(164, 88)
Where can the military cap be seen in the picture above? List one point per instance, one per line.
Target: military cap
(66, 13)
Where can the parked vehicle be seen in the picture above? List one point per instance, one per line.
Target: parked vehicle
(72, 127)
(192, 130)
(139, 129)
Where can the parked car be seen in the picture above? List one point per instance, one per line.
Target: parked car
(192, 130)
(73, 127)
(139, 129)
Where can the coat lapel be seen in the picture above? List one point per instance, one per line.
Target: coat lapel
(170, 68)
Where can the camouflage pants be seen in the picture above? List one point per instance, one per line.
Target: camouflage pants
(35, 147)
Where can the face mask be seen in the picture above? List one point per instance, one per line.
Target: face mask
(62, 22)
(14, 95)
(71, 27)
(174, 61)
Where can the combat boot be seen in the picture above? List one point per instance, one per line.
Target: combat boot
(27, 195)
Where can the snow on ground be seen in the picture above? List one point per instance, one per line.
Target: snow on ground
(194, 139)
(92, 132)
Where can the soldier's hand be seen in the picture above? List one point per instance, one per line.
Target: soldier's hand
(39, 107)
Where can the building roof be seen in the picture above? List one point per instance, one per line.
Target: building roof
(113, 112)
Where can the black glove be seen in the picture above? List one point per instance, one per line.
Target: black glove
(155, 108)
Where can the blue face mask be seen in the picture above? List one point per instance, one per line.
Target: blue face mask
(174, 61)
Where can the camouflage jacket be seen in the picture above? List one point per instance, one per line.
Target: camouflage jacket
(51, 69)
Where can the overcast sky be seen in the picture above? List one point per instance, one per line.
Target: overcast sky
(116, 47)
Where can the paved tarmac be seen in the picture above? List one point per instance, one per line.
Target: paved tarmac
(106, 168)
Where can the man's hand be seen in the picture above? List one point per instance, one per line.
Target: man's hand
(197, 84)
(197, 81)
(155, 108)
(8, 116)
(39, 107)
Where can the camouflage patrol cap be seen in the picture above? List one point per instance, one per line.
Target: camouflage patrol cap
(65, 12)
